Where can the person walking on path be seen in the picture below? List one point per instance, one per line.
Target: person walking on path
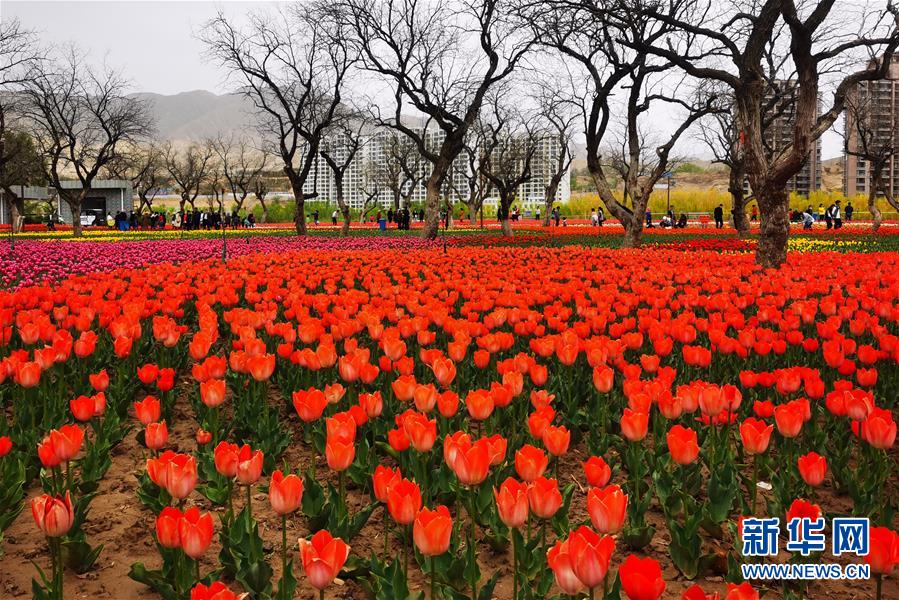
(719, 216)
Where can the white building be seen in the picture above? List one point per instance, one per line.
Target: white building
(372, 158)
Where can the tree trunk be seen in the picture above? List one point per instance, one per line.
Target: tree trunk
(506, 227)
(738, 209)
(16, 210)
(774, 227)
(432, 205)
(76, 218)
(872, 208)
(633, 231)
(345, 229)
(299, 219)
(472, 213)
(548, 207)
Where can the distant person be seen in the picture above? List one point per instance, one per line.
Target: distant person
(719, 216)
(649, 219)
(754, 216)
(110, 222)
(820, 215)
(390, 215)
(828, 215)
(836, 216)
(682, 221)
(807, 218)
(594, 220)
(556, 215)
(334, 217)
(537, 214)
(600, 216)
(849, 211)
(315, 216)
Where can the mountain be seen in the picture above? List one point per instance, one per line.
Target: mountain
(198, 114)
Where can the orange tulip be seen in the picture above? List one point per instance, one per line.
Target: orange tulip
(530, 463)
(883, 553)
(53, 515)
(156, 435)
(425, 397)
(471, 462)
(444, 371)
(431, 531)
(196, 531)
(479, 404)
(512, 502)
(99, 381)
(214, 591)
(212, 392)
(225, 456)
(544, 497)
(607, 508)
(148, 410)
(383, 479)
(421, 431)
(323, 557)
(789, 419)
(812, 467)
(634, 425)
(168, 527)
(641, 578)
(556, 440)
(28, 375)
(148, 373)
(285, 493)
(682, 445)
(404, 501)
(590, 555)
(340, 455)
(744, 591)
(561, 562)
(603, 379)
(341, 428)
(597, 471)
(309, 404)
(756, 435)
(249, 465)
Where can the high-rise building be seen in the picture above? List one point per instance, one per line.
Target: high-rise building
(878, 103)
(372, 159)
(779, 134)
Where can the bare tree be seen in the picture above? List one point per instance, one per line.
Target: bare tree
(607, 39)
(478, 184)
(260, 190)
(292, 66)
(81, 117)
(873, 137)
(370, 186)
(402, 171)
(18, 54)
(510, 140)
(441, 58)
(143, 164)
(188, 168)
(241, 165)
(339, 151)
(558, 111)
(726, 42)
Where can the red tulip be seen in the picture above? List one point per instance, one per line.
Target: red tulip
(530, 463)
(82, 408)
(444, 371)
(641, 579)
(383, 479)
(212, 392)
(883, 550)
(53, 515)
(590, 555)
(5, 445)
(789, 419)
(249, 465)
(603, 379)
(148, 410)
(309, 404)
(156, 435)
(634, 425)
(341, 428)
(225, 457)
(695, 591)
(556, 440)
(285, 493)
(561, 562)
(66, 442)
(597, 471)
(431, 531)
(607, 508)
(147, 373)
(196, 532)
(261, 367)
(323, 557)
(215, 591)
(448, 404)
(803, 509)
(176, 473)
(879, 429)
(166, 380)
(471, 463)
(756, 435)
(496, 448)
(812, 467)
(744, 591)
(339, 455)
(512, 502)
(421, 431)
(168, 527)
(404, 501)
(203, 437)
(99, 381)
(544, 497)
(479, 404)
(372, 404)
(682, 444)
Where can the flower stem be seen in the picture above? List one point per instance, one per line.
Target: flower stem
(433, 571)
(753, 493)
(514, 568)
(879, 593)
(249, 501)
(283, 545)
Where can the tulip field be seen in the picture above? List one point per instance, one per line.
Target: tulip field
(390, 418)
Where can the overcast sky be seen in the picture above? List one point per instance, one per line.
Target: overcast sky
(153, 42)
